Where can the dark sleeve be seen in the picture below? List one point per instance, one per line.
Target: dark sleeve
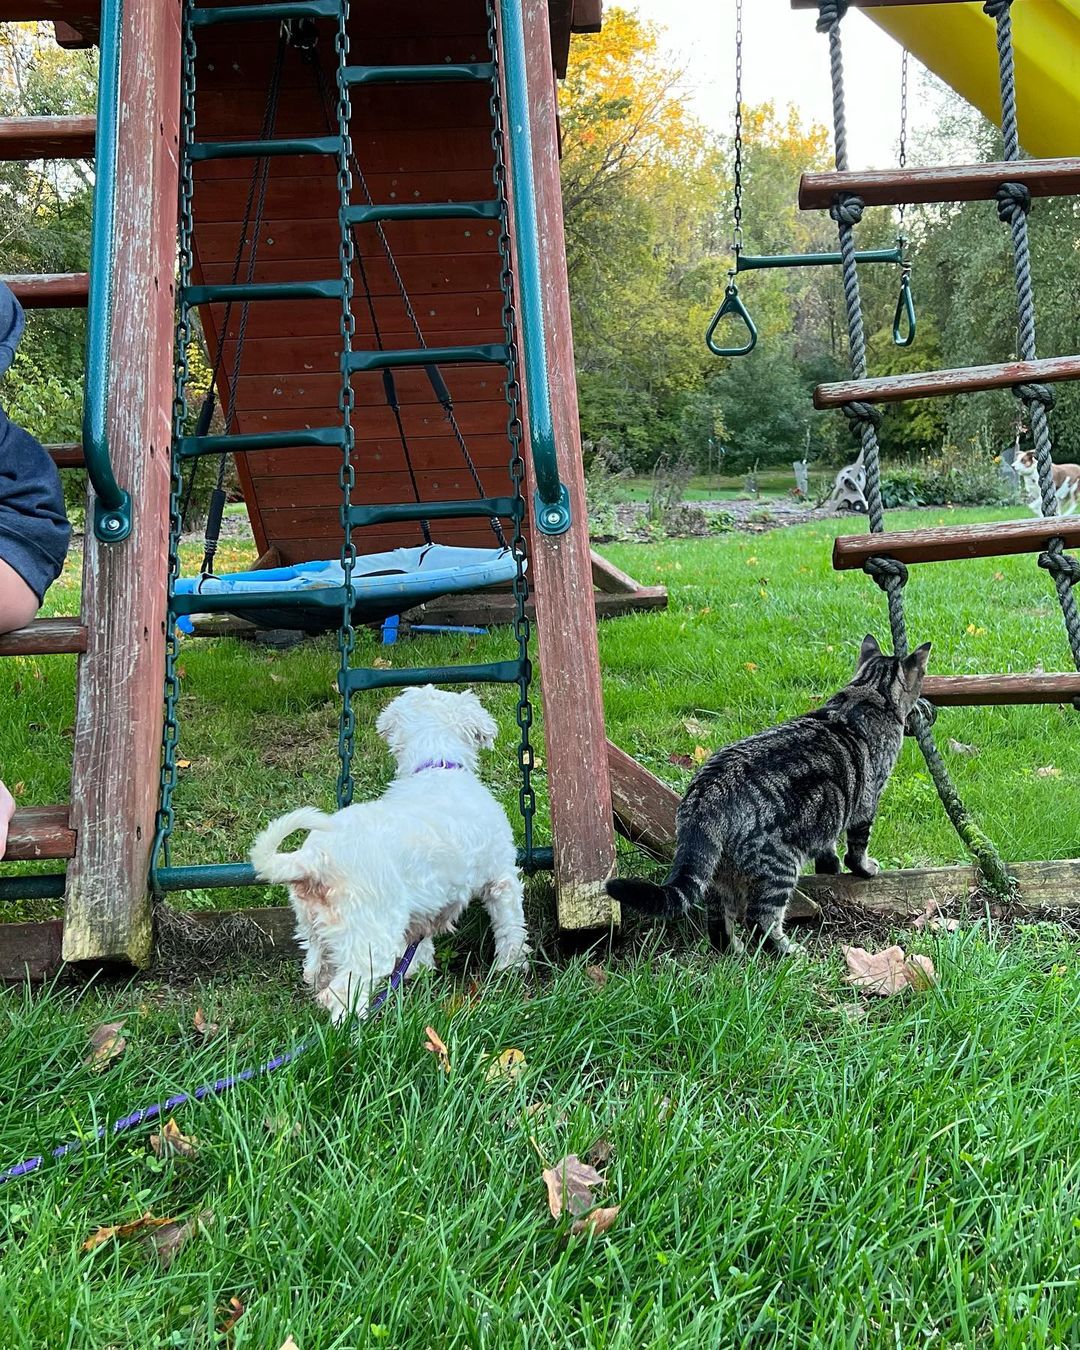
(34, 529)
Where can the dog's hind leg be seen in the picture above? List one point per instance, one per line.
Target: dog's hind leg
(504, 902)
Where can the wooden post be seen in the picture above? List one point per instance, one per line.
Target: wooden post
(114, 787)
(578, 786)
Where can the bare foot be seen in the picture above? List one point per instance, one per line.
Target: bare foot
(7, 810)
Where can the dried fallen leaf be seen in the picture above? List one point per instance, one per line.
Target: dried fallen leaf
(597, 974)
(289, 1344)
(123, 1230)
(700, 754)
(183, 763)
(698, 730)
(170, 1143)
(165, 1242)
(281, 1125)
(932, 922)
(597, 1221)
(600, 1152)
(106, 1044)
(1048, 771)
(959, 748)
(751, 666)
(203, 1027)
(435, 1044)
(569, 1185)
(683, 761)
(505, 1067)
(235, 1311)
(887, 972)
(381, 663)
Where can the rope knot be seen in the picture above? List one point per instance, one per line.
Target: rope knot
(995, 8)
(862, 414)
(1013, 201)
(847, 209)
(1035, 393)
(1060, 564)
(885, 571)
(830, 12)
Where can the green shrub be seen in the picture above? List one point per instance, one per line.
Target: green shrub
(952, 477)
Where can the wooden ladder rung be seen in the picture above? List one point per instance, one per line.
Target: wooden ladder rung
(942, 183)
(45, 637)
(40, 832)
(970, 691)
(943, 383)
(67, 456)
(23, 138)
(948, 543)
(60, 290)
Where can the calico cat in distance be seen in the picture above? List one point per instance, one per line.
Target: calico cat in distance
(759, 809)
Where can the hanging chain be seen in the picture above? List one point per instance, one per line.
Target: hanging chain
(171, 729)
(515, 432)
(346, 405)
(901, 158)
(736, 234)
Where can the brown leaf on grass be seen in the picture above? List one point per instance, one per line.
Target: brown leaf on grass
(597, 1221)
(698, 730)
(683, 761)
(170, 1143)
(106, 1044)
(599, 1152)
(123, 1230)
(933, 922)
(165, 1242)
(569, 1185)
(597, 974)
(887, 972)
(959, 748)
(183, 763)
(435, 1045)
(231, 1316)
(506, 1066)
(203, 1027)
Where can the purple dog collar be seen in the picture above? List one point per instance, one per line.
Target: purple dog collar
(437, 764)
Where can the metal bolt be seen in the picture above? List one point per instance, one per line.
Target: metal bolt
(112, 524)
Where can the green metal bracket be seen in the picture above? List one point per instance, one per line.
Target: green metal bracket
(508, 508)
(330, 598)
(370, 215)
(492, 353)
(206, 16)
(112, 507)
(749, 262)
(191, 447)
(732, 305)
(264, 290)
(473, 72)
(552, 504)
(905, 313)
(292, 145)
(492, 672)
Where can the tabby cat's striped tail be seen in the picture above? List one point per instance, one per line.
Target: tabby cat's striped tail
(695, 862)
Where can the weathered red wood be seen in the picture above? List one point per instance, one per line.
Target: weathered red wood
(377, 108)
(481, 418)
(428, 453)
(610, 578)
(945, 543)
(30, 951)
(644, 807)
(423, 274)
(119, 709)
(943, 183)
(579, 788)
(318, 197)
(587, 16)
(45, 637)
(448, 485)
(40, 832)
(467, 385)
(23, 138)
(307, 239)
(68, 456)
(79, 14)
(64, 290)
(970, 691)
(467, 148)
(945, 383)
(71, 39)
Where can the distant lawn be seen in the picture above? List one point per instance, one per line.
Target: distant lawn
(771, 483)
(759, 628)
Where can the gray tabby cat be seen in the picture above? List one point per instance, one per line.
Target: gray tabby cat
(759, 809)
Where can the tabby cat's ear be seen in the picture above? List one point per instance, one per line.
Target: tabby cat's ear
(869, 648)
(915, 665)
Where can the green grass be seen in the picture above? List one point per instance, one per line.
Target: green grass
(759, 628)
(794, 1169)
(715, 487)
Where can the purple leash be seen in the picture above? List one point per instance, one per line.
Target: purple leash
(214, 1089)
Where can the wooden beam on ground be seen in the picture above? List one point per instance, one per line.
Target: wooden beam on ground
(643, 806)
(118, 720)
(974, 691)
(942, 183)
(40, 832)
(45, 637)
(946, 383)
(54, 290)
(489, 610)
(26, 138)
(579, 790)
(947, 543)
(608, 578)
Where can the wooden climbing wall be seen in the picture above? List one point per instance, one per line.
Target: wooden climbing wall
(414, 143)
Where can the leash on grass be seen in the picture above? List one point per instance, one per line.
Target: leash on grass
(215, 1089)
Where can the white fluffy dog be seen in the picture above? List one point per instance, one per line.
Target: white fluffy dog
(375, 876)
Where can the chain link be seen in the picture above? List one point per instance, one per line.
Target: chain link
(346, 406)
(515, 432)
(166, 815)
(901, 158)
(736, 234)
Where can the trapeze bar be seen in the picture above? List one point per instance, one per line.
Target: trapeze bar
(757, 263)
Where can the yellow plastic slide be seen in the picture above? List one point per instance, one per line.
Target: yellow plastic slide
(956, 42)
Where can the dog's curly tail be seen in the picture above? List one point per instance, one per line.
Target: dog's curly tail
(281, 868)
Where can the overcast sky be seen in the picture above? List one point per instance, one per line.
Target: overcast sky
(786, 61)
